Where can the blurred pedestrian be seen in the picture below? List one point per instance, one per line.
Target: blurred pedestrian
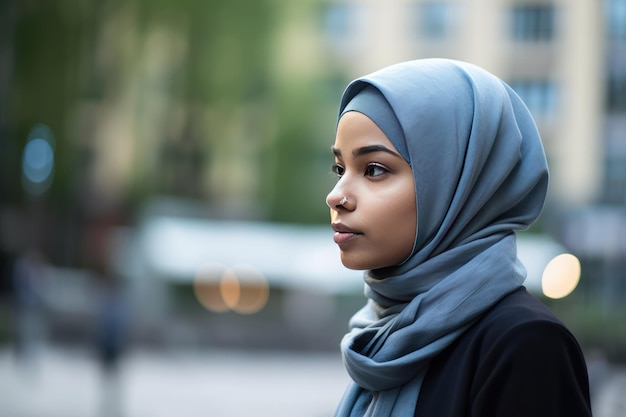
(113, 321)
(113, 310)
(29, 274)
(438, 164)
(112, 338)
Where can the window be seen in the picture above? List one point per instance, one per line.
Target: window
(616, 94)
(434, 20)
(533, 22)
(614, 159)
(615, 175)
(539, 96)
(343, 24)
(337, 21)
(615, 13)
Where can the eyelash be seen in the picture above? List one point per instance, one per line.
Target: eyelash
(371, 167)
(338, 170)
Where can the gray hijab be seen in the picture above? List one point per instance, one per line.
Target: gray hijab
(480, 174)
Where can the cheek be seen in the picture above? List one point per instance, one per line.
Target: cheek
(401, 206)
(406, 226)
(399, 223)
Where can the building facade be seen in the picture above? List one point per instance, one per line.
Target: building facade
(550, 52)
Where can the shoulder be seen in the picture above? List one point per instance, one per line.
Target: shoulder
(519, 307)
(529, 361)
(522, 333)
(519, 319)
(512, 358)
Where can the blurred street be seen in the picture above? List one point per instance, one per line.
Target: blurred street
(216, 383)
(70, 383)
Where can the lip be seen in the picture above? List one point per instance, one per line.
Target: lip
(344, 233)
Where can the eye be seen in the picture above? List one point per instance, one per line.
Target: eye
(338, 170)
(375, 170)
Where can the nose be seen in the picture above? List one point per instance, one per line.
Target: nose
(335, 198)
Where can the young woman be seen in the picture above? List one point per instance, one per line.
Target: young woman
(438, 164)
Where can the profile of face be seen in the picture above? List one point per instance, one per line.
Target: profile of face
(376, 226)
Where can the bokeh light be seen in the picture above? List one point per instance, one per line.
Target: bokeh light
(230, 289)
(242, 288)
(561, 276)
(38, 161)
(253, 289)
(206, 287)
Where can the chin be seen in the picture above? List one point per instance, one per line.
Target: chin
(356, 264)
(366, 263)
(354, 267)
(351, 263)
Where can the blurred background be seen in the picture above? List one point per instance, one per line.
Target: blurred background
(164, 246)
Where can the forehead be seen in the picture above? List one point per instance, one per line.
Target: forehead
(355, 129)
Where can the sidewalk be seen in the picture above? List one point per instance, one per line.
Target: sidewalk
(215, 383)
(610, 401)
(70, 383)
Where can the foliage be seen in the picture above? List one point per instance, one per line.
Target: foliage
(166, 97)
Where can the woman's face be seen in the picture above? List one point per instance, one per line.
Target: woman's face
(376, 227)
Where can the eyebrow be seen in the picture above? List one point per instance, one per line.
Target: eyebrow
(368, 149)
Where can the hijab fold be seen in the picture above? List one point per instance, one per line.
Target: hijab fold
(480, 174)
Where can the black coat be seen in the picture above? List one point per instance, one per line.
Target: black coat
(517, 360)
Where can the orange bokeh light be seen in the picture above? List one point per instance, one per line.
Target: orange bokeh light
(243, 289)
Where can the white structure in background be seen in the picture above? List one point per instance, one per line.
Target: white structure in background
(169, 249)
